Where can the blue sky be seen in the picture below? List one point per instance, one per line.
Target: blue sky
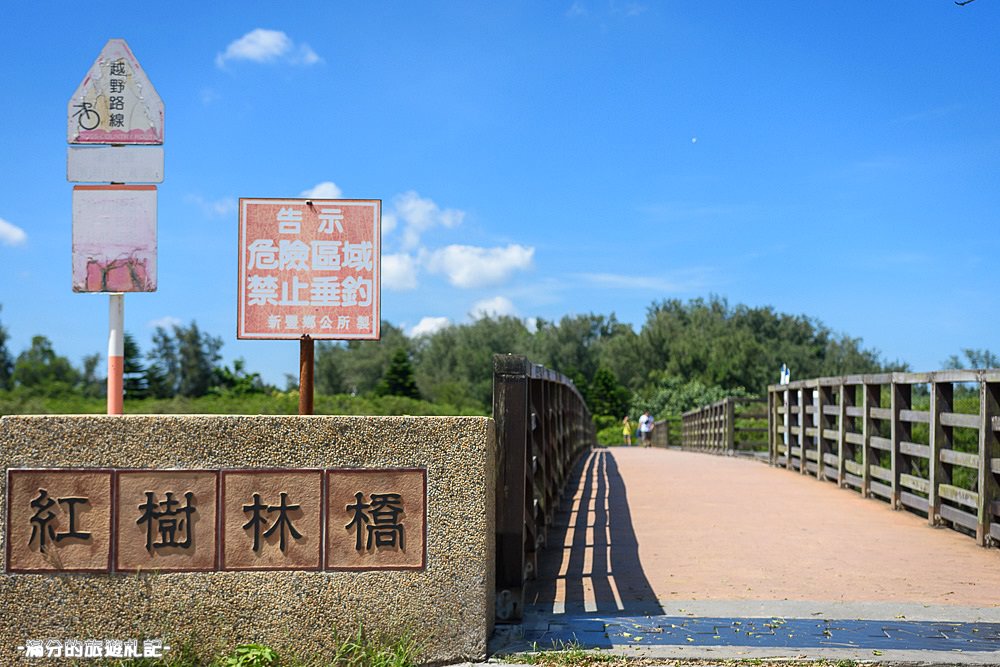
(834, 159)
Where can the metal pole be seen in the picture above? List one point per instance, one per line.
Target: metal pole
(116, 353)
(305, 375)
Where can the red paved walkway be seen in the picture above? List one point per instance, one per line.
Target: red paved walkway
(651, 526)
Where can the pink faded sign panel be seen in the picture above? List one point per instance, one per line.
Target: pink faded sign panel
(115, 103)
(114, 238)
(309, 267)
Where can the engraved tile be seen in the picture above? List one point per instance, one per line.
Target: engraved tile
(272, 519)
(59, 520)
(166, 520)
(376, 519)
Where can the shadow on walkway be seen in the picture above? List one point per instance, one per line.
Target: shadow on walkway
(591, 561)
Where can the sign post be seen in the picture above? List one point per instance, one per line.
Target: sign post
(309, 270)
(114, 225)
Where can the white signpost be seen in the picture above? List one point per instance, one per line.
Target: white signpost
(114, 224)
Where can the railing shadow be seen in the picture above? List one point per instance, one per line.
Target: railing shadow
(591, 562)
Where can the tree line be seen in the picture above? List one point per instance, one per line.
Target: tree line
(685, 354)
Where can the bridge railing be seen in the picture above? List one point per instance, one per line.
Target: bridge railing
(542, 424)
(924, 442)
(728, 426)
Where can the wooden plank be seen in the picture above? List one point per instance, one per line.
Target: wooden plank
(955, 376)
(915, 416)
(854, 411)
(958, 516)
(960, 420)
(830, 459)
(854, 438)
(831, 409)
(884, 444)
(913, 449)
(913, 501)
(995, 531)
(996, 423)
(797, 452)
(878, 472)
(995, 507)
(881, 413)
(811, 467)
(831, 433)
(853, 467)
(960, 458)
(811, 454)
(880, 489)
(853, 480)
(960, 496)
(915, 483)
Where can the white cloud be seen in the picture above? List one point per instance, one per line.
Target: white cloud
(495, 307)
(218, 208)
(263, 46)
(429, 325)
(324, 190)
(418, 214)
(693, 282)
(399, 272)
(471, 266)
(166, 322)
(11, 234)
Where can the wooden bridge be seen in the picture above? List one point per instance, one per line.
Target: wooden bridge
(655, 543)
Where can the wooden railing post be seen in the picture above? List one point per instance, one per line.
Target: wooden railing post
(989, 450)
(510, 411)
(842, 430)
(901, 399)
(942, 397)
(730, 408)
(803, 427)
(772, 424)
(871, 399)
(788, 428)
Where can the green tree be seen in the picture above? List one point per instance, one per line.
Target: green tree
(974, 358)
(135, 379)
(199, 355)
(6, 361)
(238, 381)
(455, 365)
(358, 365)
(39, 370)
(184, 362)
(398, 379)
(605, 396)
(91, 385)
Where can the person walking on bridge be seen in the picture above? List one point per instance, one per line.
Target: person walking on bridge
(627, 431)
(646, 429)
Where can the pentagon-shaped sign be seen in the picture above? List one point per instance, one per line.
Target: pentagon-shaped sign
(115, 103)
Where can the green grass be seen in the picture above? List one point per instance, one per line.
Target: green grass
(276, 403)
(358, 650)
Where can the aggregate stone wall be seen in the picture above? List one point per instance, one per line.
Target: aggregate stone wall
(447, 604)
